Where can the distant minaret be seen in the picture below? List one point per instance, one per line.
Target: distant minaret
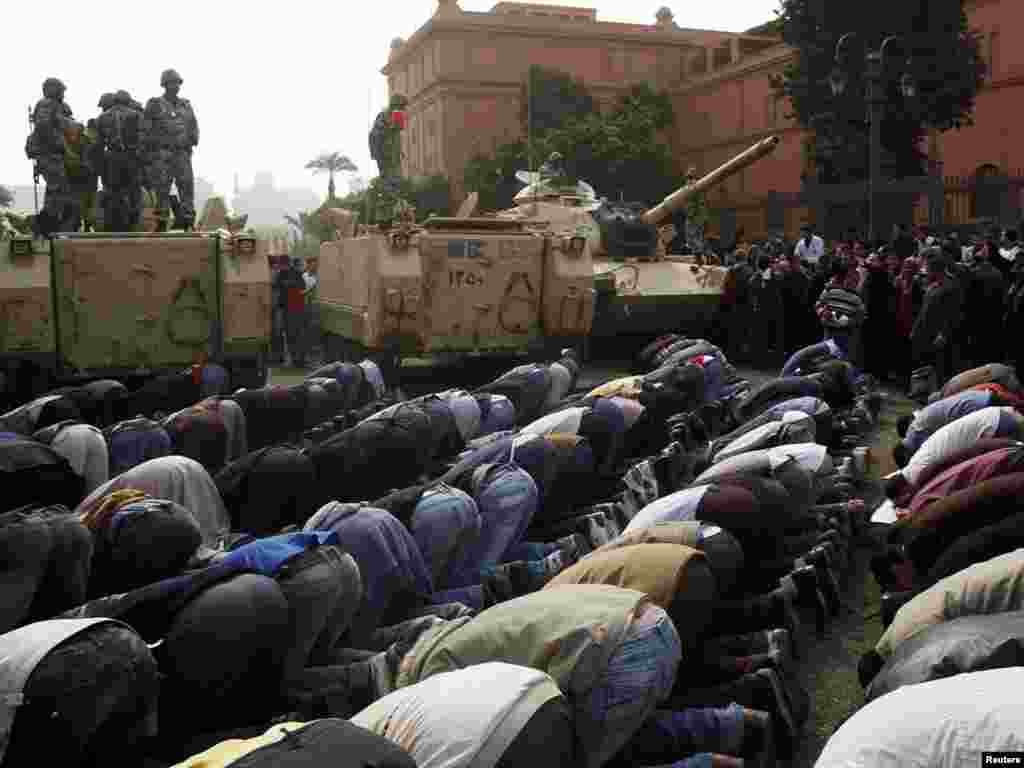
(236, 184)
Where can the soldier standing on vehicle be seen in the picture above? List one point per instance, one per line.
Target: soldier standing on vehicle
(170, 133)
(119, 130)
(45, 146)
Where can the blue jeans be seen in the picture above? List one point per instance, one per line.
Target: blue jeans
(640, 674)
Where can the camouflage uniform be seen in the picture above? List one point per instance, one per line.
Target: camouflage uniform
(170, 131)
(82, 164)
(119, 129)
(45, 146)
(386, 151)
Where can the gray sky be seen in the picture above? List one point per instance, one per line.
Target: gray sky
(272, 83)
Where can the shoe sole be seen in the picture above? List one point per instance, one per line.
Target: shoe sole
(785, 740)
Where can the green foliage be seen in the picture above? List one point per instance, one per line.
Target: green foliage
(554, 98)
(6, 197)
(493, 177)
(621, 153)
(937, 51)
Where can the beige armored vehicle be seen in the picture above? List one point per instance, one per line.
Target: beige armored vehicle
(87, 306)
(641, 289)
(454, 286)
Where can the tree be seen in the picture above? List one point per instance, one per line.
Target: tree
(622, 153)
(554, 98)
(6, 197)
(332, 163)
(938, 52)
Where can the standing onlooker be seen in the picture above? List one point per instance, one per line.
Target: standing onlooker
(841, 312)
(909, 297)
(1009, 255)
(903, 243)
(277, 305)
(809, 247)
(984, 306)
(293, 288)
(314, 336)
(934, 335)
(1015, 318)
(877, 292)
(797, 318)
(766, 313)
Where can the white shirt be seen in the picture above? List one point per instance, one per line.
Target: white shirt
(677, 507)
(944, 723)
(954, 437)
(461, 719)
(812, 252)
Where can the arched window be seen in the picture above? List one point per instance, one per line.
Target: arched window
(986, 197)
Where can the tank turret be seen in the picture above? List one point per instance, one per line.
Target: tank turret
(677, 199)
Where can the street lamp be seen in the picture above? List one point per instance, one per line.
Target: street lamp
(876, 93)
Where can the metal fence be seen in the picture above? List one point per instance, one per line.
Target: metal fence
(835, 210)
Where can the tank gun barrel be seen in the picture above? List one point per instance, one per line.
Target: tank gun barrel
(677, 199)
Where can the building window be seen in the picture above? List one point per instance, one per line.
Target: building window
(987, 193)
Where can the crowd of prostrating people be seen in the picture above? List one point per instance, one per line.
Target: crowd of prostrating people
(529, 573)
(943, 683)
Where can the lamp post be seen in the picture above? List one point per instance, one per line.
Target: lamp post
(877, 80)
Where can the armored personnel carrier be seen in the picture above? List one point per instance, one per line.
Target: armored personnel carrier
(129, 306)
(453, 287)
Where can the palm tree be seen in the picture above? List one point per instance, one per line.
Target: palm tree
(332, 162)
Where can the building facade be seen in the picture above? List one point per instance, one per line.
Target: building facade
(463, 73)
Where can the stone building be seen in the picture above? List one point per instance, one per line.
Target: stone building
(463, 73)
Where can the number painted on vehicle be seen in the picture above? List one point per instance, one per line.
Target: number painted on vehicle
(461, 278)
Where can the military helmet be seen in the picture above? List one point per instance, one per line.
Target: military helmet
(123, 98)
(51, 85)
(169, 75)
(106, 101)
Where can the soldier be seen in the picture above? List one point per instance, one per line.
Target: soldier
(386, 151)
(119, 130)
(82, 164)
(170, 132)
(45, 145)
(106, 102)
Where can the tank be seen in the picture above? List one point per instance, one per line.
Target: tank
(623, 234)
(649, 294)
(455, 286)
(86, 306)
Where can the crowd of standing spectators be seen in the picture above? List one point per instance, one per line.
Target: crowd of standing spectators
(915, 301)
